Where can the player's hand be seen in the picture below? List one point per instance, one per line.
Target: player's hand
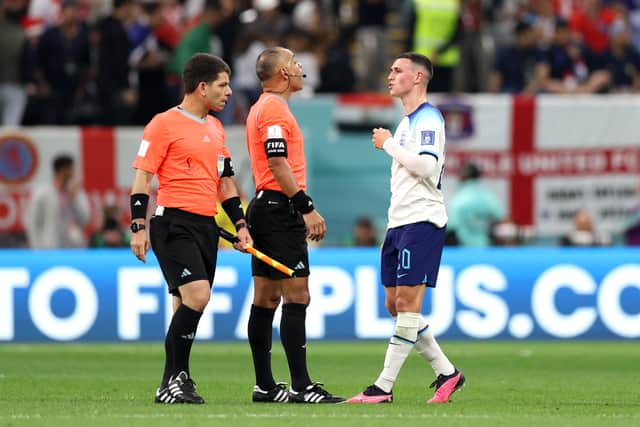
(380, 135)
(316, 227)
(244, 240)
(140, 245)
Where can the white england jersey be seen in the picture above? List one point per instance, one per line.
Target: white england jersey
(415, 199)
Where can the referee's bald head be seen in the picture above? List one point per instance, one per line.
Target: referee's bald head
(270, 61)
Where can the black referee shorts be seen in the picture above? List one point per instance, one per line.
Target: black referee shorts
(186, 245)
(277, 230)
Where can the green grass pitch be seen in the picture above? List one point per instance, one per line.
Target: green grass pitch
(525, 383)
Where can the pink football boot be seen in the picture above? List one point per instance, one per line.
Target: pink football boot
(445, 386)
(373, 394)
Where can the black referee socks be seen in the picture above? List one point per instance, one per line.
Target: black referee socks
(260, 331)
(293, 336)
(180, 336)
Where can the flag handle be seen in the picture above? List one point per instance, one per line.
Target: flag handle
(256, 253)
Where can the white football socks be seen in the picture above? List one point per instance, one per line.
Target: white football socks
(427, 346)
(400, 345)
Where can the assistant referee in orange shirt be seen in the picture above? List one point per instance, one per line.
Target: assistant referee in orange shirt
(185, 148)
(281, 217)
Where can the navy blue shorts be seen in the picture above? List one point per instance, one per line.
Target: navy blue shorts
(411, 254)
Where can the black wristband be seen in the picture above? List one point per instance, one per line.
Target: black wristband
(241, 225)
(139, 202)
(302, 202)
(228, 168)
(233, 207)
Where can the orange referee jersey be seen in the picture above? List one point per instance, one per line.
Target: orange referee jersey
(271, 120)
(187, 154)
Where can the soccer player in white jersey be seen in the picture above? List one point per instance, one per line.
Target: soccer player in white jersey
(415, 234)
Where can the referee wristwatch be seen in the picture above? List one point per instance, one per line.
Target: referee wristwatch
(135, 227)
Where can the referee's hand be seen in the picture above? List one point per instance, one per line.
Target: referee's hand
(140, 245)
(316, 227)
(244, 240)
